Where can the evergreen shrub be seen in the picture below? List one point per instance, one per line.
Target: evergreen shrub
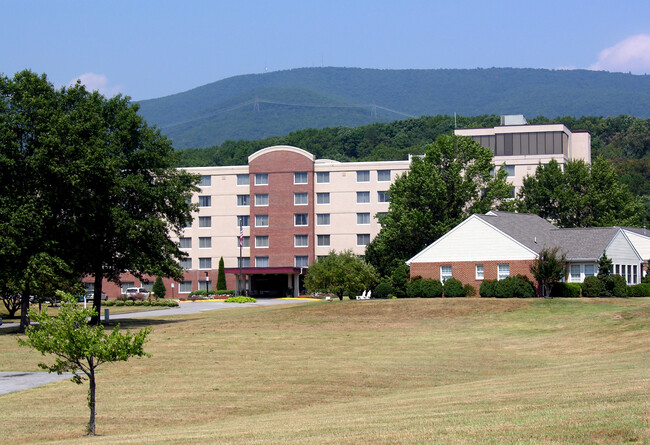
(639, 290)
(469, 290)
(383, 290)
(566, 290)
(592, 287)
(453, 288)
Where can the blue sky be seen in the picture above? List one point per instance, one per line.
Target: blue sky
(149, 49)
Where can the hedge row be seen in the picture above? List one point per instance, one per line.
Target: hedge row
(157, 302)
(518, 286)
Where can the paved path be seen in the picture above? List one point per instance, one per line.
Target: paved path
(17, 381)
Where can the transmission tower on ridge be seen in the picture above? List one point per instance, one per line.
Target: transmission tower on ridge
(256, 105)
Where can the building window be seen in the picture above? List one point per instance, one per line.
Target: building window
(205, 242)
(323, 240)
(363, 176)
(205, 221)
(261, 220)
(634, 274)
(126, 284)
(503, 271)
(300, 219)
(383, 175)
(188, 224)
(300, 199)
(185, 287)
(261, 241)
(363, 239)
(186, 263)
(574, 272)
(618, 269)
(186, 243)
(479, 272)
(205, 285)
(383, 197)
(300, 178)
(511, 193)
(323, 177)
(445, 273)
(205, 263)
(261, 199)
(261, 179)
(261, 261)
(244, 261)
(206, 181)
(322, 198)
(363, 197)
(363, 218)
(300, 241)
(323, 219)
(590, 270)
(301, 261)
(243, 200)
(243, 179)
(510, 169)
(205, 201)
(246, 241)
(243, 221)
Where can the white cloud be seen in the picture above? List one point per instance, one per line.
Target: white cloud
(630, 55)
(98, 82)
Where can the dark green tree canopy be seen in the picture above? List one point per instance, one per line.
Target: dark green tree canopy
(449, 184)
(341, 272)
(580, 196)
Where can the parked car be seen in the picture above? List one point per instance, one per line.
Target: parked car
(136, 293)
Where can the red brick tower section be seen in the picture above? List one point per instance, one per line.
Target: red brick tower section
(281, 163)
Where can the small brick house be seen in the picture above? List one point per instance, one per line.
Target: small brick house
(499, 244)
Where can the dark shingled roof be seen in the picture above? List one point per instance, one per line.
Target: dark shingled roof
(537, 233)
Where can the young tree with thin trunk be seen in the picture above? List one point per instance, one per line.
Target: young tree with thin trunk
(549, 268)
(79, 347)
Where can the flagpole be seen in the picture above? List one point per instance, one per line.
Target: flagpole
(241, 244)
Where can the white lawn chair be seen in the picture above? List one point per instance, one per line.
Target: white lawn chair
(362, 296)
(368, 295)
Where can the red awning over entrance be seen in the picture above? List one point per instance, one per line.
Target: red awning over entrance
(265, 270)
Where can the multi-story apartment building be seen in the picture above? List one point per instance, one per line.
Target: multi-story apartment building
(288, 208)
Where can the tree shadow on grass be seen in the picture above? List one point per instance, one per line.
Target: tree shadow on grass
(135, 323)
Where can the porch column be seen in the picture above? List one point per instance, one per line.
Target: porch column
(296, 284)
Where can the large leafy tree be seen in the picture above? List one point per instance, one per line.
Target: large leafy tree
(580, 196)
(341, 272)
(450, 183)
(80, 348)
(86, 181)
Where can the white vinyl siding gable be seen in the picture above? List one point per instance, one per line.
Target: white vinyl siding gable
(474, 240)
(621, 251)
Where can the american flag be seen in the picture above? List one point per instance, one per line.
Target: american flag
(241, 235)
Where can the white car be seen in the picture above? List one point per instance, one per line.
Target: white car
(134, 292)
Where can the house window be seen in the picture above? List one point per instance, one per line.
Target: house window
(244, 261)
(205, 201)
(261, 220)
(261, 179)
(445, 273)
(363, 176)
(261, 261)
(323, 219)
(510, 169)
(503, 271)
(634, 275)
(323, 240)
(205, 242)
(363, 218)
(205, 221)
(262, 241)
(363, 239)
(246, 241)
(590, 270)
(301, 261)
(629, 274)
(301, 241)
(363, 197)
(383, 175)
(186, 243)
(479, 272)
(322, 198)
(300, 178)
(186, 263)
(383, 197)
(574, 272)
(243, 221)
(323, 177)
(185, 287)
(243, 179)
(243, 200)
(206, 181)
(300, 219)
(300, 199)
(205, 263)
(261, 199)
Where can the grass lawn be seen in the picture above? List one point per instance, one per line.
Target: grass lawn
(381, 372)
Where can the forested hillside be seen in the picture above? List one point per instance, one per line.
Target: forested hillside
(265, 105)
